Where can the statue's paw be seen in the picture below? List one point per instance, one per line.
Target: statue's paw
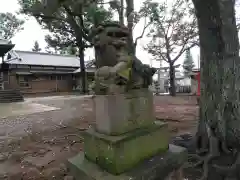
(113, 73)
(103, 71)
(115, 89)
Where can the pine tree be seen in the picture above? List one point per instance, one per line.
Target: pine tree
(188, 63)
(70, 50)
(36, 47)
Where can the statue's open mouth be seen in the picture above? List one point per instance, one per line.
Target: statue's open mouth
(118, 34)
(116, 65)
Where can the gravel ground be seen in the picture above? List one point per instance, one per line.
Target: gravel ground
(73, 107)
(181, 113)
(51, 135)
(69, 108)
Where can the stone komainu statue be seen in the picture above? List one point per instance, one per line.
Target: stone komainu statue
(117, 70)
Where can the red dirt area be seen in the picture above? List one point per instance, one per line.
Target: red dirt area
(180, 112)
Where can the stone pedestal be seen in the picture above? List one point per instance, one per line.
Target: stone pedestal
(119, 114)
(164, 166)
(126, 136)
(117, 154)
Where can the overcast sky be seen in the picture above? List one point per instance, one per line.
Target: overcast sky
(24, 39)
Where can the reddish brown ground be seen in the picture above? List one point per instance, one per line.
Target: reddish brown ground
(181, 113)
(42, 155)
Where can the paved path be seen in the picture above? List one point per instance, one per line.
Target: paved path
(36, 114)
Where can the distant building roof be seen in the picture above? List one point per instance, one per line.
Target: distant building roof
(42, 59)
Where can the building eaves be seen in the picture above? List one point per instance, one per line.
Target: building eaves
(43, 59)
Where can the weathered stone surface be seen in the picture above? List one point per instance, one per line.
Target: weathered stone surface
(118, 114)
(68, 178)
(117, 70)
(117, 154)
(158, 167)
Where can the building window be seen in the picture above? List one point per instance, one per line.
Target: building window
(38, 78)
(61, 77)
(23, 81)
(52, 77)
(1, 76)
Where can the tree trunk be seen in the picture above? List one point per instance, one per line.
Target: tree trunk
(172, 89)
(220, 79)
(78, 31)
(79, 35)
(130, 19)
(83, 70)
(121, 12)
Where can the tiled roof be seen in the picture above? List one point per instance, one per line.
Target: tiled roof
(43, 59)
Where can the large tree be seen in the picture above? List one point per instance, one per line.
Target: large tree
(171, 33)
(10, 24)
(69, 22)
(219, 125)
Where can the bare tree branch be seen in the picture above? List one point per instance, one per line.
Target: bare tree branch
(183, 32)
(182, 51)
(76, 27)
(174, 10)
(146, 25)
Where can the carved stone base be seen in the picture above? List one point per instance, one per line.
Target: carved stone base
(118, 114)
(117, 154)
(159, 167)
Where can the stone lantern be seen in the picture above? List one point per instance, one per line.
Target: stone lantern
(5, 47)
(7, 94)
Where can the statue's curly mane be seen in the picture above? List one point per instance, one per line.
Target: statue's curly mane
(107, 25)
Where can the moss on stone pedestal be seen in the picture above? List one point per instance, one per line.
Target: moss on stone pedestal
(117, 154)
(157, 167)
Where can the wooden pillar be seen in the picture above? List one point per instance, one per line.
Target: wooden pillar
(1, 81)
(56, 86)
